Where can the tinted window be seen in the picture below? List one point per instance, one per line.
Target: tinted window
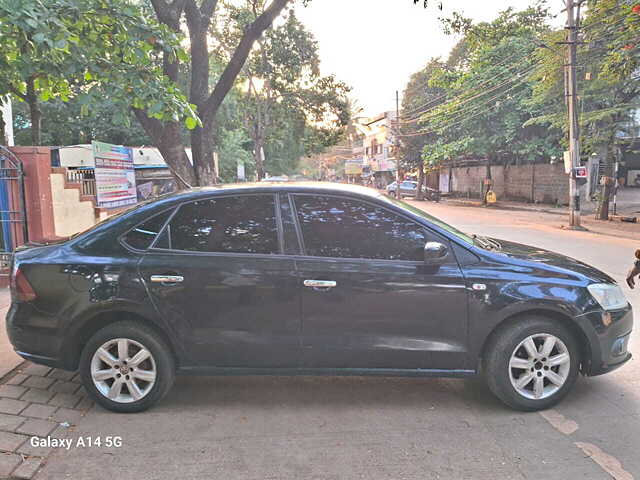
(143, 235)
(243, 224)
(340, 227)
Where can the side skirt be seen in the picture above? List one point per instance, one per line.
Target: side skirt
(379, 372)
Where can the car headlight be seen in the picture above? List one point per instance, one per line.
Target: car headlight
(608, 295)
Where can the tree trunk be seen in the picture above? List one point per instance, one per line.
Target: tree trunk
(421, 181)
(257, 155)
(3, 137)
(603, 206)
(35, 114)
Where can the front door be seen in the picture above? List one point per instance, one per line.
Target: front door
(368, 299)
(216, 273)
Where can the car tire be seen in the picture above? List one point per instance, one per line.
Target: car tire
(142, 380)
(527, 376)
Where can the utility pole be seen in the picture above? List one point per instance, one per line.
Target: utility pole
(397, 141)
(573, 24)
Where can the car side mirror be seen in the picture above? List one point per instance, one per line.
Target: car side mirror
(435, 252)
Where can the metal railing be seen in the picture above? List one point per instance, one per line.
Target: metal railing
(85, 177)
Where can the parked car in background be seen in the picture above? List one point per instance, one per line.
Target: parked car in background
(308, 278)
(409, 188)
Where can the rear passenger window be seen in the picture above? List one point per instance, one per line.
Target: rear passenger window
(242, 224)
(142, 236)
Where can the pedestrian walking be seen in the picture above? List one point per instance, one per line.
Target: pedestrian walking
(634, 272)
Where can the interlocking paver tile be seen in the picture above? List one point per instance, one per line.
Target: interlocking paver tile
(37, 382)
(17, 379)
(36, 395)
(64, 387)
(38, 411)
(61, 374)
(67, 415)
(11, 391)
(9, 423)
(27, 469)
(7, 463)
(37, 426)
(65, 400)
(10, 441)
(33, 369)
(11, 406)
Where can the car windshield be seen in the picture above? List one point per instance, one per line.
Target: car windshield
(469, 239)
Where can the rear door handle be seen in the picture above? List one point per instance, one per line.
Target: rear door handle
(320, 283)
(167, 279)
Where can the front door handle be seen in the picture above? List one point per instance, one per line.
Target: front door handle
(320, 283)
(167, 279)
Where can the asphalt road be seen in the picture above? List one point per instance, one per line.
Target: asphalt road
(381, 428)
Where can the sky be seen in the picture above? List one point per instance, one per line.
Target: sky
(375, 45)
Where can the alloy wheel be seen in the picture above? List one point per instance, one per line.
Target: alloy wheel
(123, 370)
(539, 366)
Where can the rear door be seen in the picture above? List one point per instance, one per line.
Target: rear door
(368, 299)
(218, 274)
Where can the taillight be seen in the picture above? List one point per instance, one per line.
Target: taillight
(21, 288)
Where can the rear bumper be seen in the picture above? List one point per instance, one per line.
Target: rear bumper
(37, 341)
(608, 334)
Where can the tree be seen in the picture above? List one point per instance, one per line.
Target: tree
(111, 48)
(418, 95)
(199, 17)
(609, 84)
(284, 88)
(63, 123)
(488, 91)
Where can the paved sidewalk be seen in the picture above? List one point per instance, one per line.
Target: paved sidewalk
(36, 402)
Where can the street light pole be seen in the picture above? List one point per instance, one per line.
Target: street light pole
(573, 24)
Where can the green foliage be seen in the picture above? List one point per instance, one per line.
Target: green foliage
(290, 110)
(608, 82)
(483, 105)
(89, 48)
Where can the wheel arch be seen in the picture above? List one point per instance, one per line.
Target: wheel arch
(90, 326)
(566, 320)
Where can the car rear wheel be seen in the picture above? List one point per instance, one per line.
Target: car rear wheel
(127, 367)
(532, 363)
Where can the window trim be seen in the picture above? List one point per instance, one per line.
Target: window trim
(384, 207)
(123, 242)
(274, 195)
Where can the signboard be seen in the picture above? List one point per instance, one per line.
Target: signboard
(353, 167)
(115, 176)
(581, 172)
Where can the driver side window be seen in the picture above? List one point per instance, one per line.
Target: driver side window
(347, 228)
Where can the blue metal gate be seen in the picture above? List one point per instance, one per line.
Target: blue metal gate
(13, 224)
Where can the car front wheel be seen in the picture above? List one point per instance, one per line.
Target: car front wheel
(127, 367)
(532, 363)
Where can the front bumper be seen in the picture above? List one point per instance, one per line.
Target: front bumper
(608, 334)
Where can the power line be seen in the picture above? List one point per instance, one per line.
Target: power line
(472, 108)
(466, 99)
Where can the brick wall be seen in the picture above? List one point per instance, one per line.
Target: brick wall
(540, 183)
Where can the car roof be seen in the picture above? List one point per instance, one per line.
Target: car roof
(271, 187)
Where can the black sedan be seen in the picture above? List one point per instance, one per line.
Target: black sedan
(308, 279)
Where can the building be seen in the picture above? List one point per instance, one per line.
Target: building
(378, 148)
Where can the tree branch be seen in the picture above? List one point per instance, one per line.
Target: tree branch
(208, 7)
(152, 126)
(239, 57)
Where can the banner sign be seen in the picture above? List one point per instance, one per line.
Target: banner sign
(115, 176)
(353, 167)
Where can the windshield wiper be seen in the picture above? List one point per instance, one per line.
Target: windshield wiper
(487, 242)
